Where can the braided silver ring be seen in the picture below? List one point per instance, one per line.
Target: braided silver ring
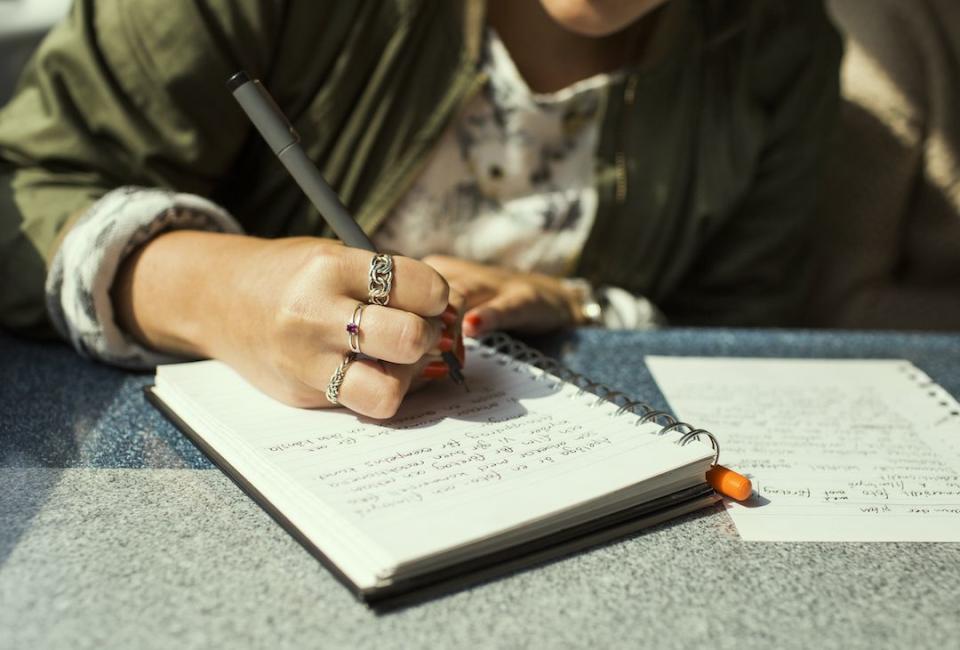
(353, 328)
(381, 279)
(336, 379)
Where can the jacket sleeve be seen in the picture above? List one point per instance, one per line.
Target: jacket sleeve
(120, 93)
(753, 270)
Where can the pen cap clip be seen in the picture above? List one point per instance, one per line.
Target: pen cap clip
(263, 111)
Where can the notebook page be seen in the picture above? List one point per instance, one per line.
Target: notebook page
(350, 550)
(451, 467)
(838, 450)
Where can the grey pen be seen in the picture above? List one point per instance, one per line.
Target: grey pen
(283, 139)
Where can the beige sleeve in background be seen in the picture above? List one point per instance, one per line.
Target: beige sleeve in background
(889, 243)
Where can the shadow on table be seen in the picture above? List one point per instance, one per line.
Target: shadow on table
(37, 442)
(59, 412)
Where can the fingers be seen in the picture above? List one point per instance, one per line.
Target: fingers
(375, 389)
(513, 308)
(384, 332)
(369, 387)
(417, 288)
(396, 336)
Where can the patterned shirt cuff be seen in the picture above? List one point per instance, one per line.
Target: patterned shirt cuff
(82, 272)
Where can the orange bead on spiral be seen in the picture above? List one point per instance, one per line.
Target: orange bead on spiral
(729, 483)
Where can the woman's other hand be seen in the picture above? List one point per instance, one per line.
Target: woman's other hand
(276, 311)
(498, 298)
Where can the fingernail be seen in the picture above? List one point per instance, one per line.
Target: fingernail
(450, 310)
(446, 342)
(435, 370)
(449, 318)
(473, 320)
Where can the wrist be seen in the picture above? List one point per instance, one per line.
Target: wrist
(168, 294)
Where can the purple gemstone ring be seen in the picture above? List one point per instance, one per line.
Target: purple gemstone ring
(353, 328)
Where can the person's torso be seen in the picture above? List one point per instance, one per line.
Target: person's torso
(673, 153)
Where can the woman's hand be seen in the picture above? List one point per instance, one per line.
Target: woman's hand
(276, 311)
(497, 298)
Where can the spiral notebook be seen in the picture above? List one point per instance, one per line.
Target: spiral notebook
(535, 462)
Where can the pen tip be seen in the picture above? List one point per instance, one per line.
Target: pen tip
(457, 376)
(453, 363)
(456, 370)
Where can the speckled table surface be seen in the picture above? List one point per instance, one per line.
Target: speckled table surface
(116, 532)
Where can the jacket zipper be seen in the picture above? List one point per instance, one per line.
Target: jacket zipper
(620, 158)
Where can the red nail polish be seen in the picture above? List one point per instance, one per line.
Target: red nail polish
(449, 318)
(446, 342)
(473, 320)
(450, 310)
(435, 370)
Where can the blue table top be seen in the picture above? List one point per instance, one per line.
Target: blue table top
(57, 410)
(101, 499)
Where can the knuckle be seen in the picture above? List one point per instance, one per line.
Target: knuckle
(327, 264)
(432, 288)
(438, 293)
(290, 316)
(389, 397)
(414, 340)
(291, 322)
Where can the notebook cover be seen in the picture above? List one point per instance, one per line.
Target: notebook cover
(414, 589)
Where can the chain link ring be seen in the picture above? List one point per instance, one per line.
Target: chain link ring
(336, 379)
(381, 279)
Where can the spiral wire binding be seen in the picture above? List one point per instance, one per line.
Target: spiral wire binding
(934, 390)
(522, 355)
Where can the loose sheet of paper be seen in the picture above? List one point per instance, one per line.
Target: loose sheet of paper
(838, 450)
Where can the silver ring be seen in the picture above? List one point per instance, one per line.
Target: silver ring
(381, 279)
(336, 379)
(353, 328)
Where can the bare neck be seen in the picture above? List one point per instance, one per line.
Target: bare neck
(551, 57)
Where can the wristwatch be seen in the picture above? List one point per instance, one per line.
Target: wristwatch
(589, 310)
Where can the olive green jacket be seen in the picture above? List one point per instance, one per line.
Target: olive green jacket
(706, 166)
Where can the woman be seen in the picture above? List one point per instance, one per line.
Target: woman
(660, 152)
